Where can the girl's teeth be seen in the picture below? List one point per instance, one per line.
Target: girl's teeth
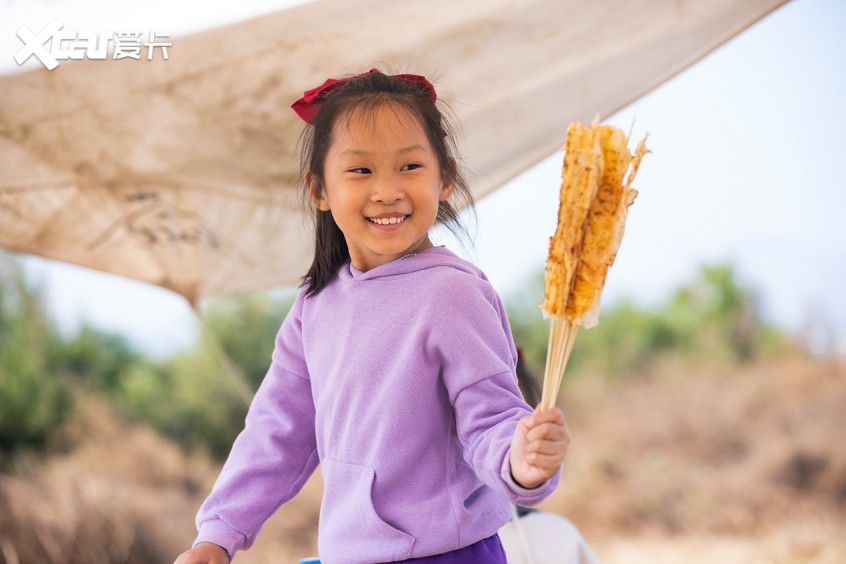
(387, 220)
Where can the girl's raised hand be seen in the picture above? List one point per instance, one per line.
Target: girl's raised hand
(204, 553)
(539, 447)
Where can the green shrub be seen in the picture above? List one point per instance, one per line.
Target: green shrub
(192, 397)
(33, 398)
(189, 397)
(713, 317)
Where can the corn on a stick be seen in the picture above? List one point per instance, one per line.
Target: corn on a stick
(580, 177)
(595, 195)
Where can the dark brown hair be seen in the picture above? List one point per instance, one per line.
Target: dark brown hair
(526, 381)
(366, 93)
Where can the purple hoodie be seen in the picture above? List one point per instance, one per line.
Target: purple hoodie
(400, 382)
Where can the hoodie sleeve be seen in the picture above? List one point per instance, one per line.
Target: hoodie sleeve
(479, 359)
(274, 454)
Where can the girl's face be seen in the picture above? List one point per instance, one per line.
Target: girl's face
(383, 184)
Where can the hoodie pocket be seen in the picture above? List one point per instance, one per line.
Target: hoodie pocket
(350, 528)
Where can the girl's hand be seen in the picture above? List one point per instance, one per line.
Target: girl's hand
(204, 553)
(538, 447)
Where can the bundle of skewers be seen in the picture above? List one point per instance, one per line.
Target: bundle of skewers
(596, 193)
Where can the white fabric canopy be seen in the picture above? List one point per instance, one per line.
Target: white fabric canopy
(183, 173)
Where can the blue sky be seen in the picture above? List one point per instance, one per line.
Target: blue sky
(747, 149)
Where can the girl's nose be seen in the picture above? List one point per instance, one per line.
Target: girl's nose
(386, 191)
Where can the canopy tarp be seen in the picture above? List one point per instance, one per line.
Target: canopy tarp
(184, 173)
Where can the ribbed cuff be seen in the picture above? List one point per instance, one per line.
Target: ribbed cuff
(526, 496)
(220, 533)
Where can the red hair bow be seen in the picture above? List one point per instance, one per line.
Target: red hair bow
(308, 106)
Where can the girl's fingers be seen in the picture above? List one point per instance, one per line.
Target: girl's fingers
(543, 444)
(547, 462)
(551, 415)
(548, 431)
(547, 447)
(547, 441)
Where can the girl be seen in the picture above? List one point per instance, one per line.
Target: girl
(395, 367)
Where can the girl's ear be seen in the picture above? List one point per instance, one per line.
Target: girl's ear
(316, 193)
(448, 181)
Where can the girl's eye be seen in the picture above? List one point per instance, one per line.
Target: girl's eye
(360, 170)
(411, 166)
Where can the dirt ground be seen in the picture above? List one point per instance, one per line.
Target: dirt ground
(710, 465)
(701, 464)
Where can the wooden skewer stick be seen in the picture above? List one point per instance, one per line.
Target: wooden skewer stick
(555, 362)
(562, 334)
(558, 357)
(568, 348)
(545, 391)
(551, 364)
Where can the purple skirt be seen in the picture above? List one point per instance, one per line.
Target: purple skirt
(486, 551)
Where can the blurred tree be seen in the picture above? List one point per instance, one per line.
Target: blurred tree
(722, 314)
(189, 397)
(33, 399)
(98, 359)
(245, 325)
(712, 317)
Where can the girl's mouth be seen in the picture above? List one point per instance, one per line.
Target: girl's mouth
(387, 220)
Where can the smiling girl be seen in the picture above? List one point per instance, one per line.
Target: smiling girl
(395, 367)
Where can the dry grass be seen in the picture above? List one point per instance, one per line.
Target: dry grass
(690, 465)
(123, 494)
(741, 465)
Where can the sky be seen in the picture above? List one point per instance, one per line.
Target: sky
(747, 148)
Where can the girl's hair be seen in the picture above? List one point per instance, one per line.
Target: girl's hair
(367, 93)
(526, 380)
